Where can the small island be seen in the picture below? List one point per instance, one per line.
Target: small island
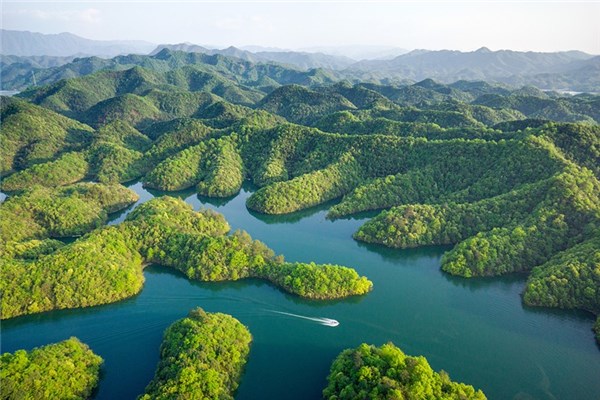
(65, 370)
(369, 372)
(202, 356)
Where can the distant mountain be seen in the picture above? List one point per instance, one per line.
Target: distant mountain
(15, 67)
(36, 61)
(301, 60)
(266, 70)
(187, 47)
(360, 52)
(483, 64)
(256, 49)
(24, 43)
(584, 77)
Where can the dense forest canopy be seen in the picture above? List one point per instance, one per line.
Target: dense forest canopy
(201, 357)
(106, 264)
(65, 370)
(369, 372)
(66, 211)
(507, 176)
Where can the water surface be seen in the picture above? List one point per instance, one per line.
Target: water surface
(477, 330)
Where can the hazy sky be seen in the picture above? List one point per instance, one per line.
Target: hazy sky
(467, 25)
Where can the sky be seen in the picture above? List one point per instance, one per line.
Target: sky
(294, 24)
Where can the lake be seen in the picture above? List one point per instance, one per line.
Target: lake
(477, 330)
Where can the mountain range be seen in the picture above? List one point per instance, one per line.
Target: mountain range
(24, 43)
(298, 59)
(568, 70)
(574, 69)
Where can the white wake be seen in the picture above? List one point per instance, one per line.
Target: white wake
(323, 321)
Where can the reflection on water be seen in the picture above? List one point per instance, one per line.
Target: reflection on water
(476, 329)
(215, 201)
(391, 254)
(292, 217)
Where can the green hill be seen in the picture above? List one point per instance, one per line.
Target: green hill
(202, 356)
(31, 135)
(302, 105)
(65, 370)
(369, 372)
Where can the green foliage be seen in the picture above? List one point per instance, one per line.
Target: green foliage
(302, 105)
(444, 171)
(124, 134)
(171, 138)
(181, 171)
(60, 212)
(208, 258)
(194, 243)
(280, 153)
(214, 165)
(486, 115)
(179, 128)
(415, 186)
(316, 281)
(423, 224)
(31, 249)
(108, 95)
(102, 267)
(510, 232)
(130, 108)
(177, 104)
(31, 135)
(385, 372)
(106, 265)
(201, 357)
(69, 168)
(225, 170)
(65, 370)
(111, 162)
(116, 152)
(437, 117)
(567, 214)
(308, 190)
(509, 249)
(166, 215)
(579, 142)
(366, 124)
(563, 109)
(570, 279)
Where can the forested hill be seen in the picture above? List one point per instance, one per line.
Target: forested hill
(240, 71)
(509, 177)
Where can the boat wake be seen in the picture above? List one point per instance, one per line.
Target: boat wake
(323, 321)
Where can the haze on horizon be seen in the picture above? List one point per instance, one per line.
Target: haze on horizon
(292, 24)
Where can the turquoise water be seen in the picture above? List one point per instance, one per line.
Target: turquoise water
(476, 330)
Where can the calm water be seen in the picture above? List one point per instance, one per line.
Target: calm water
(477, 330)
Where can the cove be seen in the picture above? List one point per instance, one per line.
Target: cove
(477, 330)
